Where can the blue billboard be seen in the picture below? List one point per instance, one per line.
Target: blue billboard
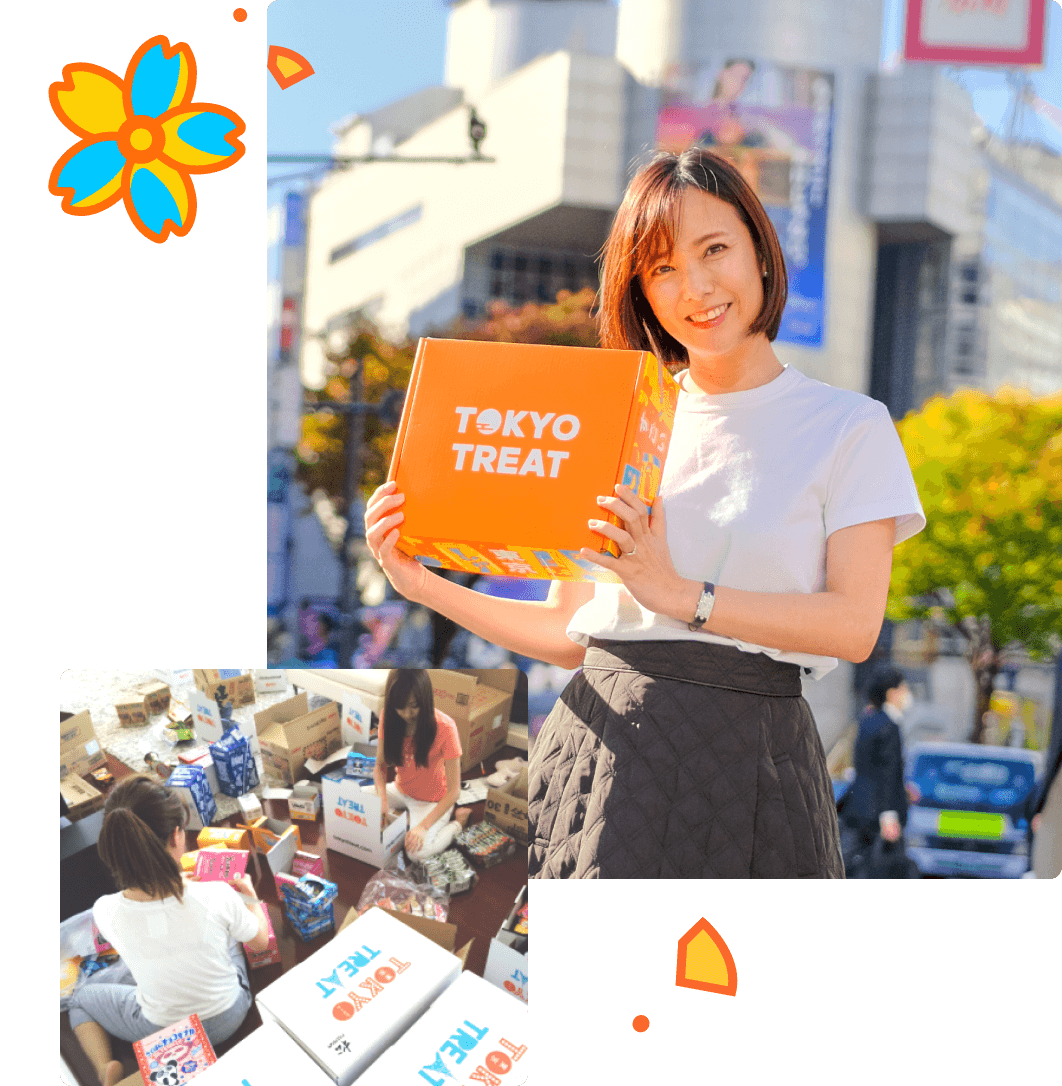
(775, 124)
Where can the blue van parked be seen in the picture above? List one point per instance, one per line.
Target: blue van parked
(968, 811)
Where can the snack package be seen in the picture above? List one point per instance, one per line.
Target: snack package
(450, 871)
(220, 864)
(308, 903)
(271, 954)
(485, 844)
(176, 1054)
(405, 887)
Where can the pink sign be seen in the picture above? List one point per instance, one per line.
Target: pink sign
(981, 32)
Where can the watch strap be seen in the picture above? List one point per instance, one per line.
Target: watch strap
(704, 606)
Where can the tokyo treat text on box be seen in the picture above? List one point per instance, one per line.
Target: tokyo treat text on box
(503, 449)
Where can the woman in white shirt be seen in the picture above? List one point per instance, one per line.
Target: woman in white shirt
(180, 939)
(684, 748)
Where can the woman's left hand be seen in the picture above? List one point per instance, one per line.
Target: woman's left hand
(414, 839)
(644, 564)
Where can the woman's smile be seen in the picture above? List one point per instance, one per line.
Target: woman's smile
(710, 318)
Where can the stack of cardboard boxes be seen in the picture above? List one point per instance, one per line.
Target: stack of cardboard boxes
(385, 1003)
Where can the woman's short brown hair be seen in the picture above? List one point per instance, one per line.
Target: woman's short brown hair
(645, 226)
(139, 818)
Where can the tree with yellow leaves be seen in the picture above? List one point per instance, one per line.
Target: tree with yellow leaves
(989, 562)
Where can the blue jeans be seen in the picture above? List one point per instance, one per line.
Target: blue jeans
(115, 1008)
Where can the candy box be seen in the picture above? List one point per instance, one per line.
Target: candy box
(305, 801)
(191, 785)
(234, 763)
(471, 1034)
(507, 808)
(268, 1057)
(271, 955)
(269, 681)
(503, 449)
(81, 798)
(222, 835)
(507, 955)
(484, 844)
(308, 903)
(220, 865)
(79, 749)
(250, 805)
(176, 1054)
(359, 992)
(157, 695)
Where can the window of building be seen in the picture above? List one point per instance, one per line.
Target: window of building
(518, 276)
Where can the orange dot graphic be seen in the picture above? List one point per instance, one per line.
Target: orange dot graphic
(641, 1023)
(239, 15)
(343, 1011)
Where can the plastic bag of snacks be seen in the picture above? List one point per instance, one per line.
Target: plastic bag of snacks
(404, 887)
(485, 844)
(450, 871)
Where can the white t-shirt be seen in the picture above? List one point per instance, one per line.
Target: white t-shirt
(179, 951)
(754, 484)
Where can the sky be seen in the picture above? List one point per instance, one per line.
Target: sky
(366, 55)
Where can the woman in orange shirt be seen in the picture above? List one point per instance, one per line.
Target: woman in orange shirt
(423, 745)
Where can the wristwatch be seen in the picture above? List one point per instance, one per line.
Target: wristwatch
(704, 606)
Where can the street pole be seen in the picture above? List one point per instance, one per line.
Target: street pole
(351, 485)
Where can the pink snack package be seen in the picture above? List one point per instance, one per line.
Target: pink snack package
(306, 863)
(271, 954)
(220, 865)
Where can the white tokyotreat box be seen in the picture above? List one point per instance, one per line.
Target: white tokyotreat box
(353, 998)
(268, 1057)
(472, 1034)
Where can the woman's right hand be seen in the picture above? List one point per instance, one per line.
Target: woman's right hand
(382, 517)
(242, 885)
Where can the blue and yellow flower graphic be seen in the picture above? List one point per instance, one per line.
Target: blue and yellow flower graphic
(141, 139)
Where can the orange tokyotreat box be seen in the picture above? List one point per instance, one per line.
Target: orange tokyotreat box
(503, 449)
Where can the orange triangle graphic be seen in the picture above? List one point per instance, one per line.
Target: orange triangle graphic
(705, 961)
(288, 67)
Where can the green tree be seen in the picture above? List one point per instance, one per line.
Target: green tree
(989, 562)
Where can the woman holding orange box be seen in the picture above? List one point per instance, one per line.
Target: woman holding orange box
(684, 747)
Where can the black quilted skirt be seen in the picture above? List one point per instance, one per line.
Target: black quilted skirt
(681, 760)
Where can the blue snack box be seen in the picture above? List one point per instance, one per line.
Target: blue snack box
(230, 760)
(308, 905)
(360, 765)
(190, 783)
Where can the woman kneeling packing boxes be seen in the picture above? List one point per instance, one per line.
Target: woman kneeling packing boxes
(423, 745)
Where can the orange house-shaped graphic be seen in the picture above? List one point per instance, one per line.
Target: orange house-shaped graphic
(705, 961)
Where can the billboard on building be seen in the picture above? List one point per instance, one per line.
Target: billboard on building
(981, 32)
(774, 123)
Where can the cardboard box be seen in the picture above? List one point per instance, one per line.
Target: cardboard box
(506, 965)
(288, 734)
(352, 821)
(503, 449)
(507, 808)
(132, 710)
(480, 701)
(157, 695)
(269, 680)
(79, 749)
(471, 1033)
(267, 1057)
(305, 801)
(236, 692)
(356, 995)
(81, 798)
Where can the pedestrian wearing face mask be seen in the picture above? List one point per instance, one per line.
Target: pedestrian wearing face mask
(876, 807)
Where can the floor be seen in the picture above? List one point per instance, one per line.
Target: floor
(478, 913)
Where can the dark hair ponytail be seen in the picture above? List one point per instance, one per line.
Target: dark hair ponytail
(139, 818)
